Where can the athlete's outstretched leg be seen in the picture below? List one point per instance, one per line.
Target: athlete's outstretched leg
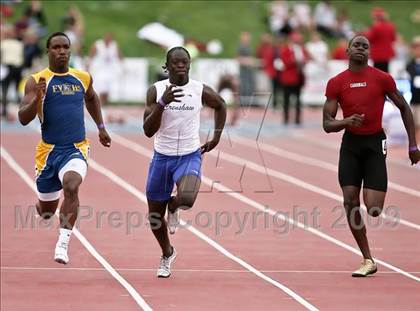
(358, 229)
(354, 218)
(70, 207)
(46, 209)
(157, 210)
(68, 214)
(187, 191)
(158, 225)
(374, 201)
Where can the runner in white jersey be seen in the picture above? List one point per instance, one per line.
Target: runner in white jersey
(178, 133)
(105, 64)
(172, 114)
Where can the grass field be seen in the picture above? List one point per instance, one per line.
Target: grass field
(203, 20)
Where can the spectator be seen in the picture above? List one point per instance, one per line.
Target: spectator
(325, 19)
(12, 59)
(105, 65)
(74, 21)
(317, 49)
(266, 52)
(246, 69)
(6, 10)
(413, 69)
(302, 15)
(279, 18)
(344, 27)
(37, 17)
(381, 36)
(31, 49)
(402, 50)
(22, 24)
(340, 50)
(228, 89)
(76, 46)
(293, 56)
(73, 27)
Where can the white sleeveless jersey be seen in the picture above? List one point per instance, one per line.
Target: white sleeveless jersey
(106, 61)
(106, 54)
(179, 131)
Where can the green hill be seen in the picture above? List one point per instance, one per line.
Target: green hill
(202, 20)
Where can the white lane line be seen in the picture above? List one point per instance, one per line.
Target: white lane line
(300, 183)
(309, 161)
(12, 268)
(274, 213)
(333, 146)
(142, 197)
(28, 180)
(147, 153)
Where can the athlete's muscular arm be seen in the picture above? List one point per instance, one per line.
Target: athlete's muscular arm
(94, 108)
(408, 120)
(152, 113)
(33, 95)
(215, 101)
(331, 124)
(154, 110)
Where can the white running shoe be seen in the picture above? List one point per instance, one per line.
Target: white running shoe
(61, 253)
(368, 267)
(173, 221)
(164, 270)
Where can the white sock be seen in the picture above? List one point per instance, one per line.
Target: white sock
(64, 236)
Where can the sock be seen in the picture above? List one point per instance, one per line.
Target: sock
(64, 236)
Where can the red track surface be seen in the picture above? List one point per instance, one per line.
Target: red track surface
(204, 278)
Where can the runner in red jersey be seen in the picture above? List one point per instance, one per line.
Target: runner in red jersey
(361, 91)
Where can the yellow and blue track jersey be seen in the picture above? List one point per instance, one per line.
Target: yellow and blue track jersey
(61, 111)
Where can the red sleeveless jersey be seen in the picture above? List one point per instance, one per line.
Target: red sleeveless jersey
(362, 93)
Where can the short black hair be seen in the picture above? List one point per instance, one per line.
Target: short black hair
(176, 48)
(352, 39)
(56, 34)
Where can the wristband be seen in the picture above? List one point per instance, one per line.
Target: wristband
(412, 149)
(161, 102)
(101, 126)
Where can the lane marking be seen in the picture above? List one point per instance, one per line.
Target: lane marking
(310, 161)
(332, 146)
(302, 184)
(12, 268)
(130, 289)
(142, 197)
(129, 144)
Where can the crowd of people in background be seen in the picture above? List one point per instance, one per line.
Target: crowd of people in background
(21, 51)
(296, 34)
(283, 52)
(20, 48)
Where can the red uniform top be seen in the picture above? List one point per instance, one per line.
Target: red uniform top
(339, 53)
(291, 75)
(381, 37)
(266, 53)
(362, 93)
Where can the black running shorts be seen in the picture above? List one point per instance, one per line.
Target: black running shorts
(362, 160)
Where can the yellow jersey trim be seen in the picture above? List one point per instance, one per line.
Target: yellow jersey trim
(83, 76)
(43, 150)
(84, 147)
